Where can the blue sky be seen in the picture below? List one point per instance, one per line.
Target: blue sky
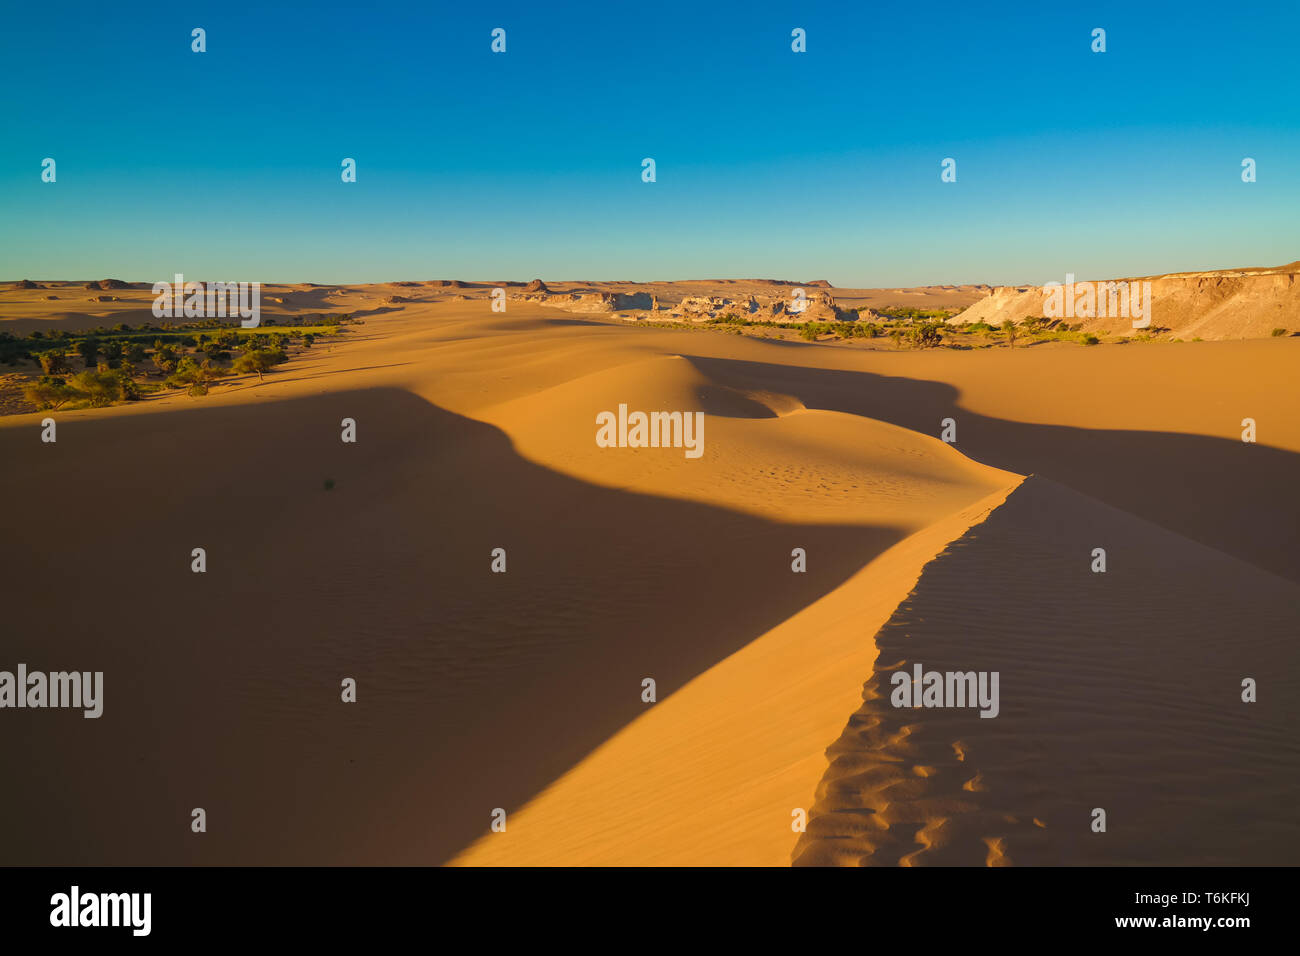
(508, 166)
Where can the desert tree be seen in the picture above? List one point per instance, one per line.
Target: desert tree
(112, 351)
(259, 361)
(100, 386)
(50, 393)
(88, 349)
(53, 362)
(1009, 328)
(927, 336)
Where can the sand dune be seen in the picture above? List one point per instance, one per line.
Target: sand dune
(715, 773)
(522, 691)
(1120, 690)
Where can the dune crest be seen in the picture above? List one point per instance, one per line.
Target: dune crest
(713, 774)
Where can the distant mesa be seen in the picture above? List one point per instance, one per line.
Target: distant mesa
(106, 284)
(26, 284)
(537, 285)
(446, 284)
(1219, 304)
(814, 284)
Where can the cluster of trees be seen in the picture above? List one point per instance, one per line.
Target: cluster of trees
(924, 335)
(110, 368)
(928, 335)
(104, 365)
(1034, 327)
(845, 330)
(909, 314)
(105, 342)
(96, 387)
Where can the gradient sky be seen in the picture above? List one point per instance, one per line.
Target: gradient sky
(225, 165)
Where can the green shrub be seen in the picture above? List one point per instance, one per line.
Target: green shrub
(100, 387)
(112, 351)
(927, 336)
(165, 358)
(53, 362)
(259, 361)
(127, 389)
(190, 373)
(88, 349)
(49, 393)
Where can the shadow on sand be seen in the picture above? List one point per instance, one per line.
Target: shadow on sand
(1212, 490)
(222, 689)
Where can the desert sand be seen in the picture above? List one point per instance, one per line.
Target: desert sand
(523, 690)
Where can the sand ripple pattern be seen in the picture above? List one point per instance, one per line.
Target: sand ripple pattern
(1119, 690)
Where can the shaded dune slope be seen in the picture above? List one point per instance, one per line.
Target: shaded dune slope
(1203, 487)
(1119, 690)
(714, 774)
(476, 690)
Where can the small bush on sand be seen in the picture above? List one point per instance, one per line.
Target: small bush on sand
(53, 362)
(926, 336)
(49, 393)
(259, 361)
(89, 351)
(99, 387)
